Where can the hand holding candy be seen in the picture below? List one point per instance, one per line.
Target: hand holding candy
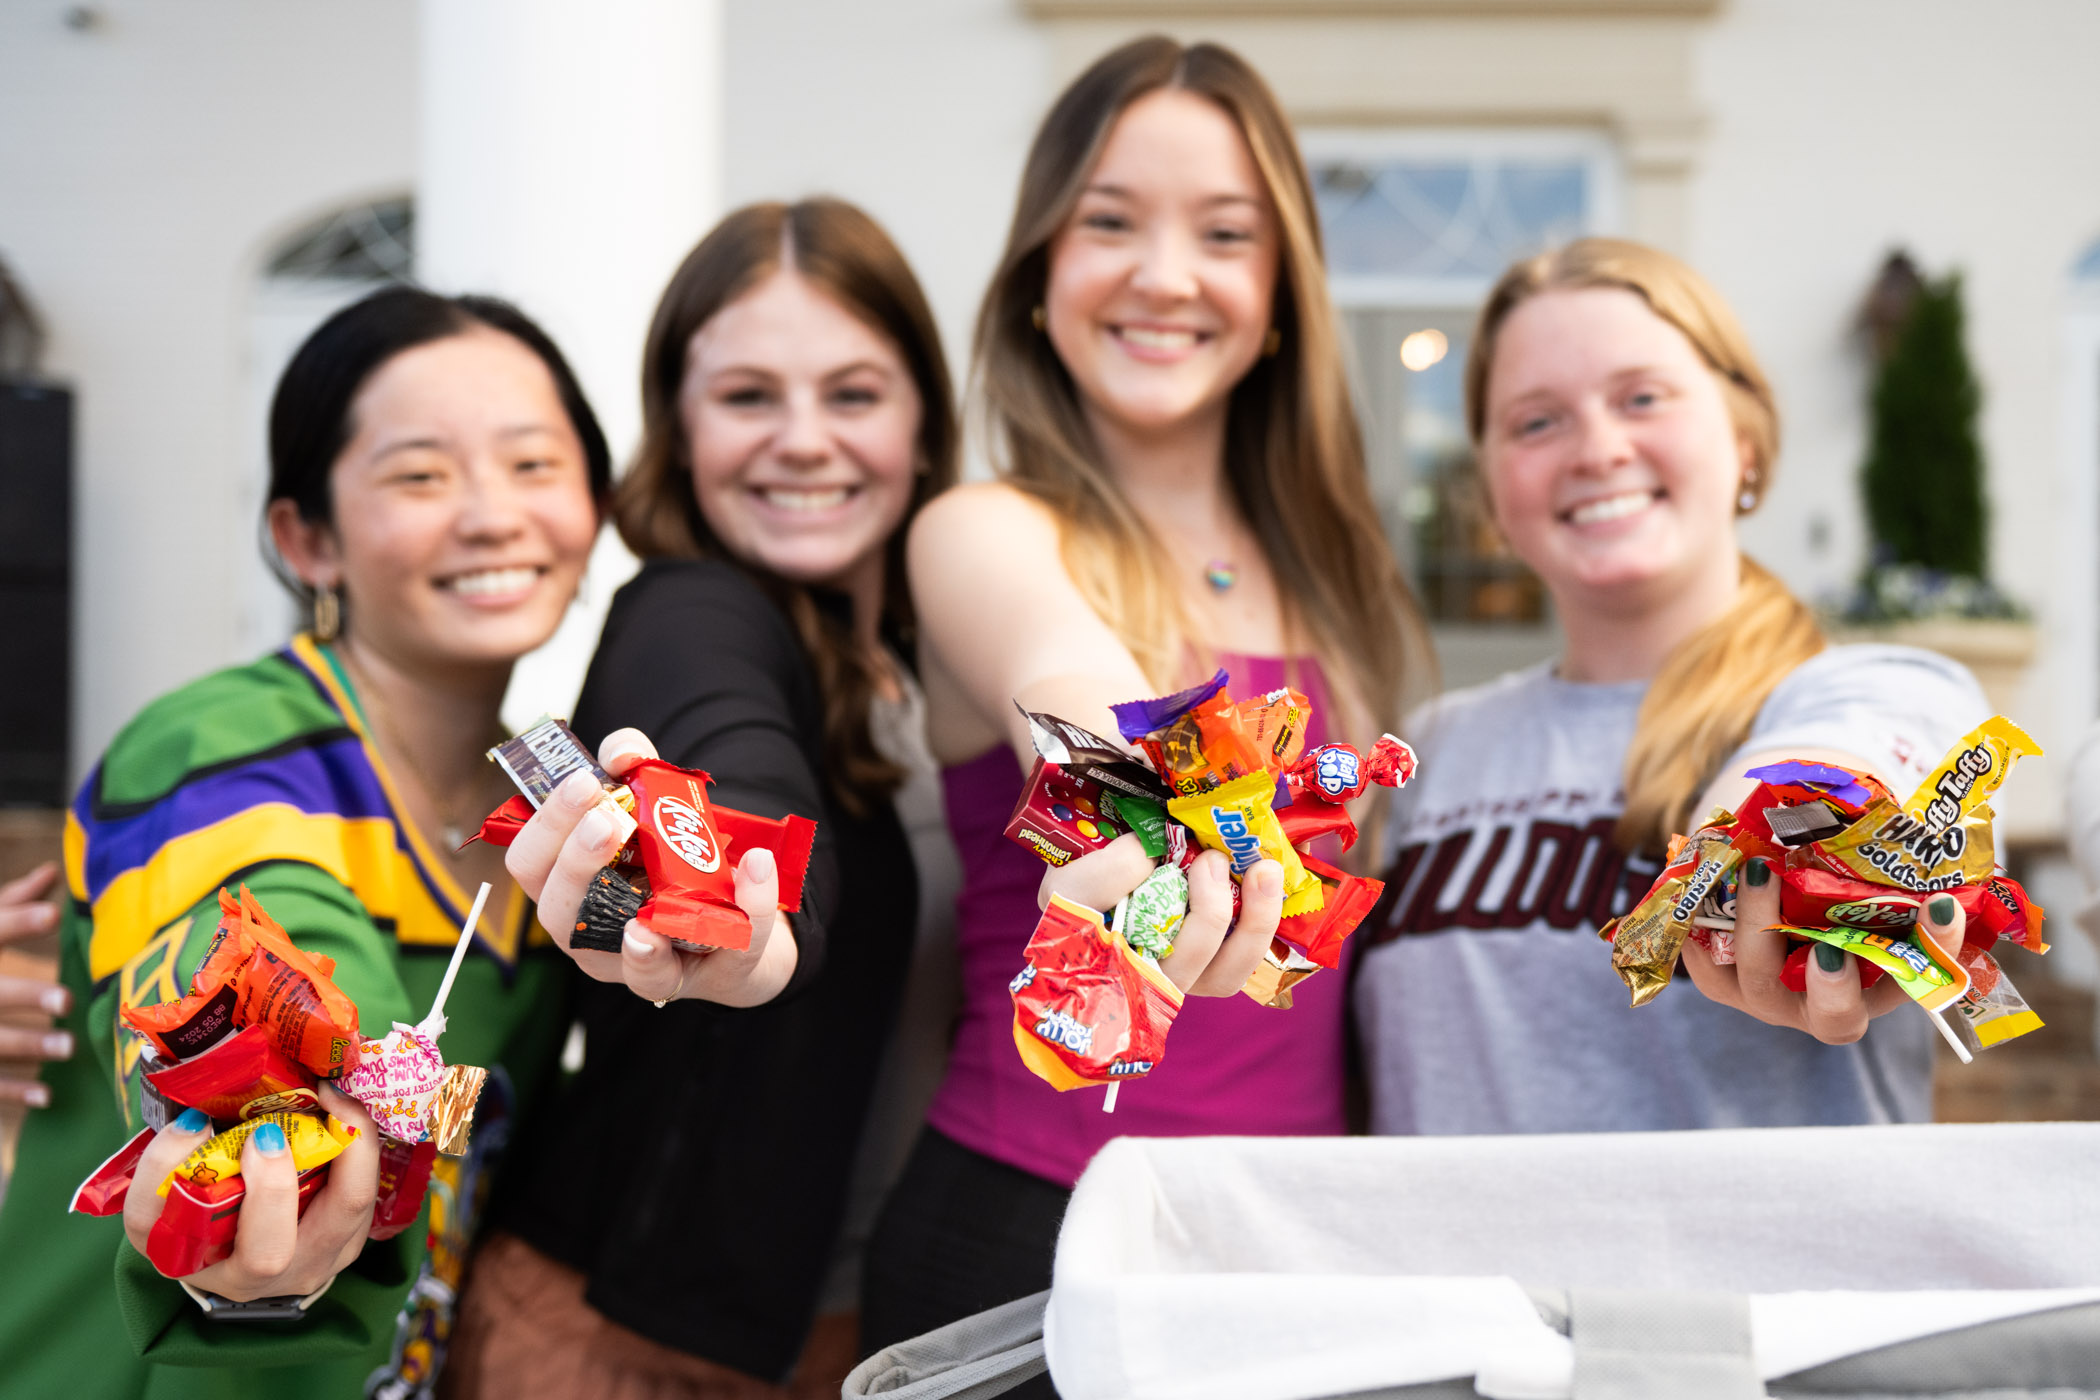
(277, 1250)
(1833, 1009)
(570, 839)
(1213, 956)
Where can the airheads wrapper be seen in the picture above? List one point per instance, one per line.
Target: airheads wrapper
(1087, 756)
(240, 1077)
(1238, 820)
(197, 1223)
(1087, 1008)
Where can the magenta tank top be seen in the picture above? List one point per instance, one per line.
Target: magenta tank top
(1231, 1067)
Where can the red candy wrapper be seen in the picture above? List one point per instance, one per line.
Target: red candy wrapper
(1319, 935)
(197, 1223)
(1340, 773)
(404, 1180)
(1087, 1008)
(240, 1077)
(1060, 816)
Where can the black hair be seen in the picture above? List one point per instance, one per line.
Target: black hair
(310, 412)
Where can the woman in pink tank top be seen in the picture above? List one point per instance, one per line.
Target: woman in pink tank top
(1181, 485)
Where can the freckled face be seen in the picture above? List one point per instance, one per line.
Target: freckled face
(1608, 447)
(802, 424)
(1161, 286)
(462, 504)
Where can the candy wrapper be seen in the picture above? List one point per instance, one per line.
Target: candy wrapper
(1318, 936)
(240, 1077)
(1237, 818)
(1339, 773)
(1088, 757)
(197, 1223)
(1153, 912)
(1281, 968)
(1855, 868)
(396, 1079)
(314, 1139)
(684, 846)
(1088, 1009)
(1196, 738)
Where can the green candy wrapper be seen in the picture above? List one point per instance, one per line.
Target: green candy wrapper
(1143, 816)
(1155, 911)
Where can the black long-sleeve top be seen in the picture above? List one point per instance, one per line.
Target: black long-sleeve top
(697, 1166)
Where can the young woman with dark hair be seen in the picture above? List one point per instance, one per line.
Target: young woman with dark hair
(1623, 426)
(680, 1206)
(435, 486)
(1181, 486)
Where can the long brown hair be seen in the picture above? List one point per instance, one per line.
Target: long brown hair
(1294, 455)
(840, 249)
(1701, 704)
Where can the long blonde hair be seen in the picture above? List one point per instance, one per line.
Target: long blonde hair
(1701, 704)
(1294, 455)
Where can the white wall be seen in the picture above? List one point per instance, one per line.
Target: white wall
(146, 165)
(1965, 133)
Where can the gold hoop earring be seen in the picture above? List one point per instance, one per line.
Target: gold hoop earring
(328, 614)
(1038, 318)
(1271, 343)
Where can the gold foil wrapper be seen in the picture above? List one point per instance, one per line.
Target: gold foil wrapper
(1646, 942)
(452, 1111)
(1890, 847)
(1280, 969)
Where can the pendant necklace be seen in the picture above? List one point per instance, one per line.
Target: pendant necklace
(1221, 574)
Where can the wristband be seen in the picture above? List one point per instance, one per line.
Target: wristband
(289, 1307)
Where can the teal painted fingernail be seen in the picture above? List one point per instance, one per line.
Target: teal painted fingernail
(1941, 909)
(1830, 957)
(269, 1140)
(1757, 874)
(191, 1120)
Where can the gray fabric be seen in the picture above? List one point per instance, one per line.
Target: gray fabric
(2051, 1354)
(980, 1356)
(1485, 1001)
(1641, 1344)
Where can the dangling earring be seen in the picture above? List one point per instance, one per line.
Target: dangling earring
(1747, 500)
(1037, 318)
(328, 613)
(1271, 343)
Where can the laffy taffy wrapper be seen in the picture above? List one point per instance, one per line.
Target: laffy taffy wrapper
(396, 1078)
(314, 1140)
(272, 983)
(1088, 1009)
(1238, 819)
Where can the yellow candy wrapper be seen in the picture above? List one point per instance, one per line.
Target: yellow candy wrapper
(1239, 818)
(312, 1140)
(1941, 836)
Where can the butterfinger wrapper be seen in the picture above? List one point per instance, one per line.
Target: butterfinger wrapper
(452, 1110)
(1238, 819)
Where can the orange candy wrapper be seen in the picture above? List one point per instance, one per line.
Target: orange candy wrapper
(1088, 1009)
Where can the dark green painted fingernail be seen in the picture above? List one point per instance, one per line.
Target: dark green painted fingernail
(1830, 957)
(1757, 874)
(1941, 909)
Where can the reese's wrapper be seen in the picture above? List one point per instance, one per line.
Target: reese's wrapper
(314, 1139)
(1087, 1008)
(1087, 756)
(1645, 942)
(1941, 835)
(242, 1076)
(1196, 738)
(1275, 724)
(1237, 819)
(189, 1025)
(291, 992)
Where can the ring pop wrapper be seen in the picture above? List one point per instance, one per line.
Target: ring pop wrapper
(314, 1140)
(1237, 819)
(1087, 1008)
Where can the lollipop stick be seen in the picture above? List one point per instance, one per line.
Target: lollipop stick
(433, 1025)
(1939, 1019)
(1115, 925)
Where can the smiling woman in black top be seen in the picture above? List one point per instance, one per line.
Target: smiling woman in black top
(672, 1220)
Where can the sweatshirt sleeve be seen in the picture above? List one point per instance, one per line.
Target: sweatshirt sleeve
(1899, 708)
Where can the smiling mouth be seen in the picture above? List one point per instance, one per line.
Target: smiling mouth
(806, 500)
(1166, 338)
(1613, 507)
(492, 583)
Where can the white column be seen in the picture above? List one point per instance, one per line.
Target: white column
(570, 155)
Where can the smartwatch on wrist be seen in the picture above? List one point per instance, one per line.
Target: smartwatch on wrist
(290, 1307)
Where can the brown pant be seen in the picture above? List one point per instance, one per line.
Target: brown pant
(524, 1331)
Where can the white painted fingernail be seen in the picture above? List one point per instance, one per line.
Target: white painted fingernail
(36, 1096)
(58, 1046)
(636, 946)
(54, 1000)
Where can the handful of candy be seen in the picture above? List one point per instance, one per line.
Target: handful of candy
(675, 870)
(261, 1026)
(1855, 868)
(1092, 1005)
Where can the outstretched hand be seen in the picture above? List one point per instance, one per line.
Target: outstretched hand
(1212, 957)
(569, 840)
